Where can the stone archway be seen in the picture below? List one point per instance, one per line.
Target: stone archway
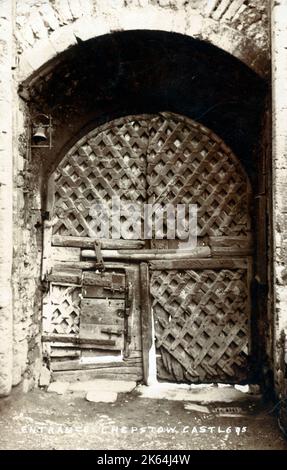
(66, 90)
(47, 31)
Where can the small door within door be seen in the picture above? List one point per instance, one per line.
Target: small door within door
(87, 322)
(103, 309)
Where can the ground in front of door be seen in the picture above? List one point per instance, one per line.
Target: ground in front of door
(41, 420)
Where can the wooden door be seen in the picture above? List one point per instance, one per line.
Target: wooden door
(201, 306)
(200, 300)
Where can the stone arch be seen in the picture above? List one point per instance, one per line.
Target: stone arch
(217, 24)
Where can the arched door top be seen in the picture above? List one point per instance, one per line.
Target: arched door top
(159, 158)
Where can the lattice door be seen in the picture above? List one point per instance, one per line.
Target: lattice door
(201, 310)
(202, 316)
(189, 164)
(103, 165)
(202, 324)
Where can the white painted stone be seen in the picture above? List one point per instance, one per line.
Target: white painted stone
(49, 16)
(63, 9)
(58, 387)
(41, 53)
(87, 7)
(119, 386)
(45, 377)
(199, 394)
(195, 24)
(27, 384)
(86, 28)
(62, 38)
(75, 8)
(37, 25)
(195, 407)
(27, 34)
(101, 396)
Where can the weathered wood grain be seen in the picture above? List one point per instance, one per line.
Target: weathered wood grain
(87, 242)
(141, 255)
(211, 263)
(146, 319)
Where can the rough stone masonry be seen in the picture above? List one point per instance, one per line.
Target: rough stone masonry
(6, 188)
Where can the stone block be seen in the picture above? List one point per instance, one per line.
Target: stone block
(41, 53)
(58, 387)
(99, 385)
(45, 377)
(63, 38)
(101, 396)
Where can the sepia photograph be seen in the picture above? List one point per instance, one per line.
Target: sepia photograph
(143, 228)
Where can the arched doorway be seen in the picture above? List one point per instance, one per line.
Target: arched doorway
(102, 294)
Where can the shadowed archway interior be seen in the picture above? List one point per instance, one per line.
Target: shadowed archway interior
(144, 72)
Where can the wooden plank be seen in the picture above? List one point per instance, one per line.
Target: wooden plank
(146, 319)
(97, 349)
(50, 192)
(65, 268)
(230, 251)
(109, 367)
(104, 279)
(261, 255)
(201, 251)
(89, 265)
(199, 264)
(103, 285)
(86, 242)
(90, 332)
(102, 293)
(48, 225)
(94, 330)
(46, 256)
(76, 265)
(102, 311)
(66, 276)
(59, 253)
(251, 318)
(99, 353)
(65, 352)
(242, 242)
(73, 376)
(77, 340)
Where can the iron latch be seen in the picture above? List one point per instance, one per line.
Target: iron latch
(98, 253)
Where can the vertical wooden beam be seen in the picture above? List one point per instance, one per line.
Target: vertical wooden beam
(6, 200)
(146, 319)
(48, 227)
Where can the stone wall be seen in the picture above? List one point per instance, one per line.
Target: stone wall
(26, 257)
(46, 28)
(6, 152)
(279, 167)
